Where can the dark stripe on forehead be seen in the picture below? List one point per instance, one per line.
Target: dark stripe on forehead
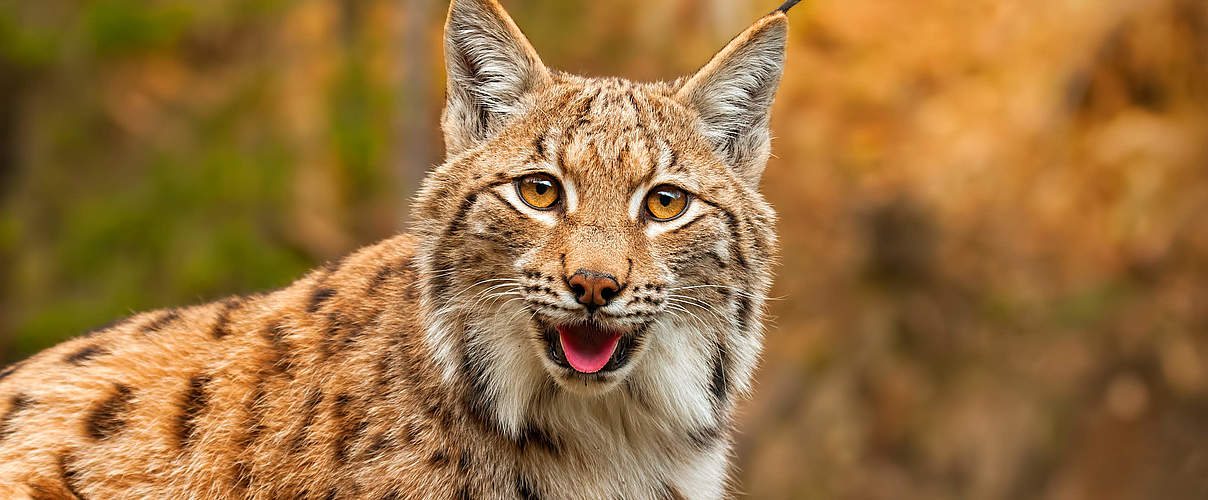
(107, 417)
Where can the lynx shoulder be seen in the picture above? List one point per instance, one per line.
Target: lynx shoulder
(575, 314)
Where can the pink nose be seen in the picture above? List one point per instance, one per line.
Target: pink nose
(593, 289)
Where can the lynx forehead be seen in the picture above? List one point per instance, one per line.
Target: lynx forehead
(574, 314)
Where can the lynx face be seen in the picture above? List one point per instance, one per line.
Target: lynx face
(590, 234)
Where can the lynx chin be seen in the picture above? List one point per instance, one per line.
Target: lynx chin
(574, 315)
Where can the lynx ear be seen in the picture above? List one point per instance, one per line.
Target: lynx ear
(490, 66)
(733, 95)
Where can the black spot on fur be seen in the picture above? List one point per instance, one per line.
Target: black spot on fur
(463, 493)
(84, 354)
(192, 405)
(524, 489)
(164, 319)
(317, 299)
(106, 418)
(16, 404)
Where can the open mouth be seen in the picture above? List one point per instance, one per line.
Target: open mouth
(587, 348)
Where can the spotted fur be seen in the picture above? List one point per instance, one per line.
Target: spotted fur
(424, 366)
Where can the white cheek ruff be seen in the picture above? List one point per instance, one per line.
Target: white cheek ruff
(508, 192)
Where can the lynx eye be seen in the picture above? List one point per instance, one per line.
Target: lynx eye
(666, 202)
(539, 191)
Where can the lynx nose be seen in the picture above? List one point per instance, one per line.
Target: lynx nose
(593, 289)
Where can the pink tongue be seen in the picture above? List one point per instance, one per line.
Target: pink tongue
(587, 349)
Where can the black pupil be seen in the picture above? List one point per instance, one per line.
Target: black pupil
(541, 186)
(665, 199)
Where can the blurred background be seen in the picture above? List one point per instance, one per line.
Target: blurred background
(994, 277)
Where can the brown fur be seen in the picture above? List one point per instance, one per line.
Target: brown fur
(401, 372)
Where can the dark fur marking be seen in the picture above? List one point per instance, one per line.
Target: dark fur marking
(391, 495)
(732, 223)
(317, 299)
(670, 493)
(539, 145)
(506, 204)
(192, 405)
(303, 433)
(10, 370)
(524, 489)
(463, 493)
(745, 314)
(224, 317)
(255, 414)
(282, 359)
(16, 404)
(106, 417)
(68, 475)
(719, 385)
(705, 437)
(164, 319)
(535, 436)
(438, 459)
(378, 279)
(84, 354)
(347, 427)
(690, 223)
(464, 460)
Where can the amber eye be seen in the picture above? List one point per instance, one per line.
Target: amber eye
(539, 191)
(666, 202)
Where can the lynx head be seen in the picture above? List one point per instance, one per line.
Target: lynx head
(589, 234)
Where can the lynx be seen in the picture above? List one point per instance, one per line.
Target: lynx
(575, 314)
